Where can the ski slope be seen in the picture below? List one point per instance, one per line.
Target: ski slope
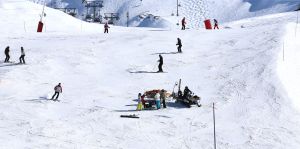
(288, 64)
(240, 69)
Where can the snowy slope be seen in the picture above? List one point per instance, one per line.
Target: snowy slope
(196, 11)
(238, 68)
(26, 20)
(288, 63)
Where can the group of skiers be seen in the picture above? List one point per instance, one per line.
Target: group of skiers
(183, 23)
(57, 88)
(7, 56)
(160, 98)
(179, 43)
(161, 60)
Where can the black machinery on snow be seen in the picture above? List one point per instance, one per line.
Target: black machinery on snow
(187, 100)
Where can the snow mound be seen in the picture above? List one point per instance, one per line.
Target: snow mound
(151, 21)
(26, 20)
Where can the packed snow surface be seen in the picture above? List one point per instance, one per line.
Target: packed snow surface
(240, 68)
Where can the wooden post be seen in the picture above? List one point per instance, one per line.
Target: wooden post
(94, 13)
(297, 23)
(25, 27)
(127, 15)
(42, 15)
(283, 51)
(81, 25)
(177, 8)
(179, 85)
(214, 118)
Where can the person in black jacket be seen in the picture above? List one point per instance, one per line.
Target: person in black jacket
(106, 27)
(161, 62)
(183, 23)
(6, 52)
(22, 60)
(187, 92)
(179, 45)
(216, 24)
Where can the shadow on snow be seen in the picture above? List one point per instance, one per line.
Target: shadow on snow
(162, 53)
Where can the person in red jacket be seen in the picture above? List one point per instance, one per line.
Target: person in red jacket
(183, 23)
(106, 27)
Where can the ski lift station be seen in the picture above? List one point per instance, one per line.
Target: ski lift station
(93, 12)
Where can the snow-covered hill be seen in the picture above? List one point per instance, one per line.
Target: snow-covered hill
(239, 68)
(196, 11)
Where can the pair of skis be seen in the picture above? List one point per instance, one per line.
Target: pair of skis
(130, 116)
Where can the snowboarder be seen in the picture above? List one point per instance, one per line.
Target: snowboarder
(57, 89)
(106, 27)
(157, 100)
(22, 60)
(6, 52)
(216, 24)
(163, 98)
(161, 62)
(186, 93)
(140, 103)
(183, 23)
(179, 45)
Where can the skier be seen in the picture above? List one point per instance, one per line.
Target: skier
(161, 62)
(6, 52)
(157, 100)
(57, 89)
(106, 27)
(163, 98)
(186, 93)
(183, 23)
(216, 24)
(22, 60)
(179, 45)
(140, 104)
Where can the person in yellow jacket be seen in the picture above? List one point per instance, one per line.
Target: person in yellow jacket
(140, 104)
